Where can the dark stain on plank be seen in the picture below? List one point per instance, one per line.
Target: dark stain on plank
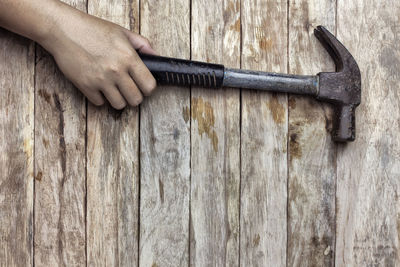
(256, 240)
(389, 61)
(45, 95)
(63, 149)
(63, 159)
(398, 227)
(115, 113)
(38, 176)
(305, 11)
(45, 142)
(161, 188)
(292, 103)
(277, 109)
(294, 147)
(176, 134)
(186, 114)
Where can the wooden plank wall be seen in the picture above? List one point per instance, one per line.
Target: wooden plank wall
(17, 65)
(215, 140)
(312, 154)
(368, 170)
(201, 177)
(60, 184)
(165, 144)
(113, 165)
(263, 202)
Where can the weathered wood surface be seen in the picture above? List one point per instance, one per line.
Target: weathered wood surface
(263, 138)
(312, 154)
(368, 170)
(113, 165)
(215, 139)
(60, 129)
(165, 144)
(17, 57)
(205, 177)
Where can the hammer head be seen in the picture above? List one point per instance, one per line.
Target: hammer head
(341, 88)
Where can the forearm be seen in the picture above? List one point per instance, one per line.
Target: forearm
(39, 20)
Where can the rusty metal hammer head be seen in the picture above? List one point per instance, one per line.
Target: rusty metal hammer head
(341, 88)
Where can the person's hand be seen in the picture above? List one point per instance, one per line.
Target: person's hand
(99, 58)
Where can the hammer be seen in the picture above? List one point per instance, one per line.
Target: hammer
(341, 88)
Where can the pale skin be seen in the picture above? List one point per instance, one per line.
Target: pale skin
(97, 56)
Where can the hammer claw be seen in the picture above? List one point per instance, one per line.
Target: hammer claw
(341, 88)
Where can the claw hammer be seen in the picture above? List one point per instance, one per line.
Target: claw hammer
(341, 88)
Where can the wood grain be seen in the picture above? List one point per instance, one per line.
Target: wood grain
(215, 139)
(17, 57)
(312, 153)
(368, 206)
(60, 128)
(263, 138)
(113, 165)
(165, 144)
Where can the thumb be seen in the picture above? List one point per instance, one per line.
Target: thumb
(140, 43)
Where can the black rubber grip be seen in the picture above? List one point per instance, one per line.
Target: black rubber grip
(173, 71)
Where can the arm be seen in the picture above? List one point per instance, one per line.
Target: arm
(97, 56)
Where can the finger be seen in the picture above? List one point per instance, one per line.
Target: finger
(140, 43)
(95, 98)
(130, 91)
(114, 97)
(142, 77)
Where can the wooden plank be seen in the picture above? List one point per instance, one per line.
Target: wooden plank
(312, 153)
(113, 165)
(368, 206)
(165, 144)
(215, 139)
(60, 126)
(263, 138)
(17, 57)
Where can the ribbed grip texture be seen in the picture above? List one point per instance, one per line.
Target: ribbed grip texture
(173, 71)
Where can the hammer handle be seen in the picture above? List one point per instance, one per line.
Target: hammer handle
(181, 72)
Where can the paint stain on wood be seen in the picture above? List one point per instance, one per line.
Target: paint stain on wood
(28, 147)
(39, 176)
(231, 7)
(265, 44)
(277, 110)
(186, 114)
(295, 149)
(236, 26)
(203, 113)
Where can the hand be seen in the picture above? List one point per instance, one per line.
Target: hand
(99, 58)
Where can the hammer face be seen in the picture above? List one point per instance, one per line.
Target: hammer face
(341, 88)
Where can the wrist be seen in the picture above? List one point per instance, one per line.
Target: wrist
(53, 29)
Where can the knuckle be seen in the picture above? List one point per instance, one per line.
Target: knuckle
(114, 68)
(150, 86)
